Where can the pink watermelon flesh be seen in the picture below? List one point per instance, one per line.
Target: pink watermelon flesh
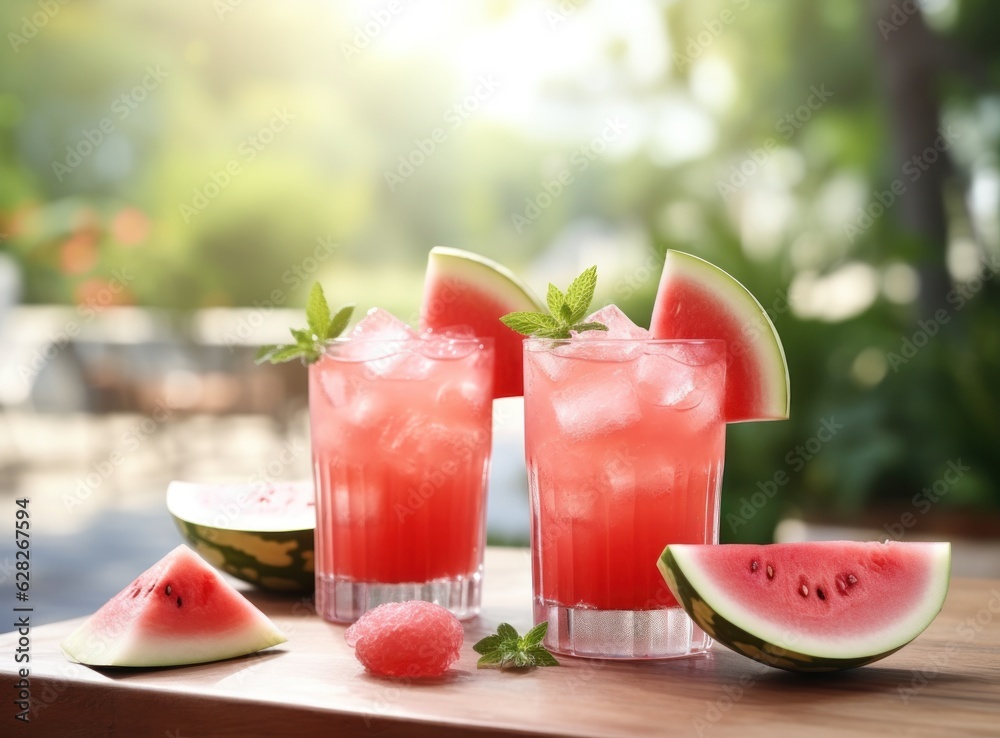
(836, 599)
(463, 290)
(179, 611)
(277, 505)
(698, 300)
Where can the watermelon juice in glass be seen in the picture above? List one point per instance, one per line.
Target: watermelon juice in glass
(401, 433)
(624, 441)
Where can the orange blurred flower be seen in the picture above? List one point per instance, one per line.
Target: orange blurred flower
(78, 254)
(130, 226)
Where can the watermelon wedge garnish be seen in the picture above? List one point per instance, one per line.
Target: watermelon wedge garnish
(465, 289)
(179, 611)
(819, 606)
(695, 300)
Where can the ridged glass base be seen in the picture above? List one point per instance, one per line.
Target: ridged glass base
(621, 634)
(344, 601)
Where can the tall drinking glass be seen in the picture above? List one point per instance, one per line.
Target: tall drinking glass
(401, 435)
(624, 440)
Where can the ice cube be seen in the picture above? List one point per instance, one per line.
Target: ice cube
(461, 397)
(618, 323)
(401, 433)
(334, 386)
(595, 404)
(619, 470)
(594, 349)
(366, 411)
(352, 393)
(381, 324)
(447, 347)
(666, 382)
(456, 331)
(407, 365)
(697, 391)
(414, 439)
(388, 346)
(620, 331)
(380, 338)
(692, 353)
(541, 359)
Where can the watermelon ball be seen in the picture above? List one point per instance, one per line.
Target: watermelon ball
(407, 639)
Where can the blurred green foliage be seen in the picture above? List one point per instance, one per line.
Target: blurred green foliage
(248, 148)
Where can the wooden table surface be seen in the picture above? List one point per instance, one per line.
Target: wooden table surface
(946, 683)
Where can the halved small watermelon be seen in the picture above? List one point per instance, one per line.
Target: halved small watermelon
(179, 611)
(818, 606)
(260, 533)
(696, 299)
(465, 289)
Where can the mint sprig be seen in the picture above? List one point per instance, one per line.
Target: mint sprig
(310, 342)
(566, 310)
(506, 649)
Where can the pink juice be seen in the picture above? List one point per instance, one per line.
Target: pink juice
(401, 434)
(624, 444)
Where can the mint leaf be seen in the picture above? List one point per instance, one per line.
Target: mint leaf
(554, 299)
(339, 322)
(310, 342)
(532, 324)
(581, 293)
(488, 644)
(318, 312)
(541, 657)
(507, 632)
(506, 649)
(278, 354)
(536, 635)
(265, 352)
(566, 310)
(489, 659)
(581, 327)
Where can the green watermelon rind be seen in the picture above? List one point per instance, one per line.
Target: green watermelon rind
(487, 275)
(678, 574)
(769, 353)
(299, 545)
(244, 551)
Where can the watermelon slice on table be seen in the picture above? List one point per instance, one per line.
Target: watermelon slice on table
(179, 611)
(696, 299)
(465, 289)
(818, 606)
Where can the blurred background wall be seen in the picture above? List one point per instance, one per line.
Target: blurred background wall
(175, 175)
